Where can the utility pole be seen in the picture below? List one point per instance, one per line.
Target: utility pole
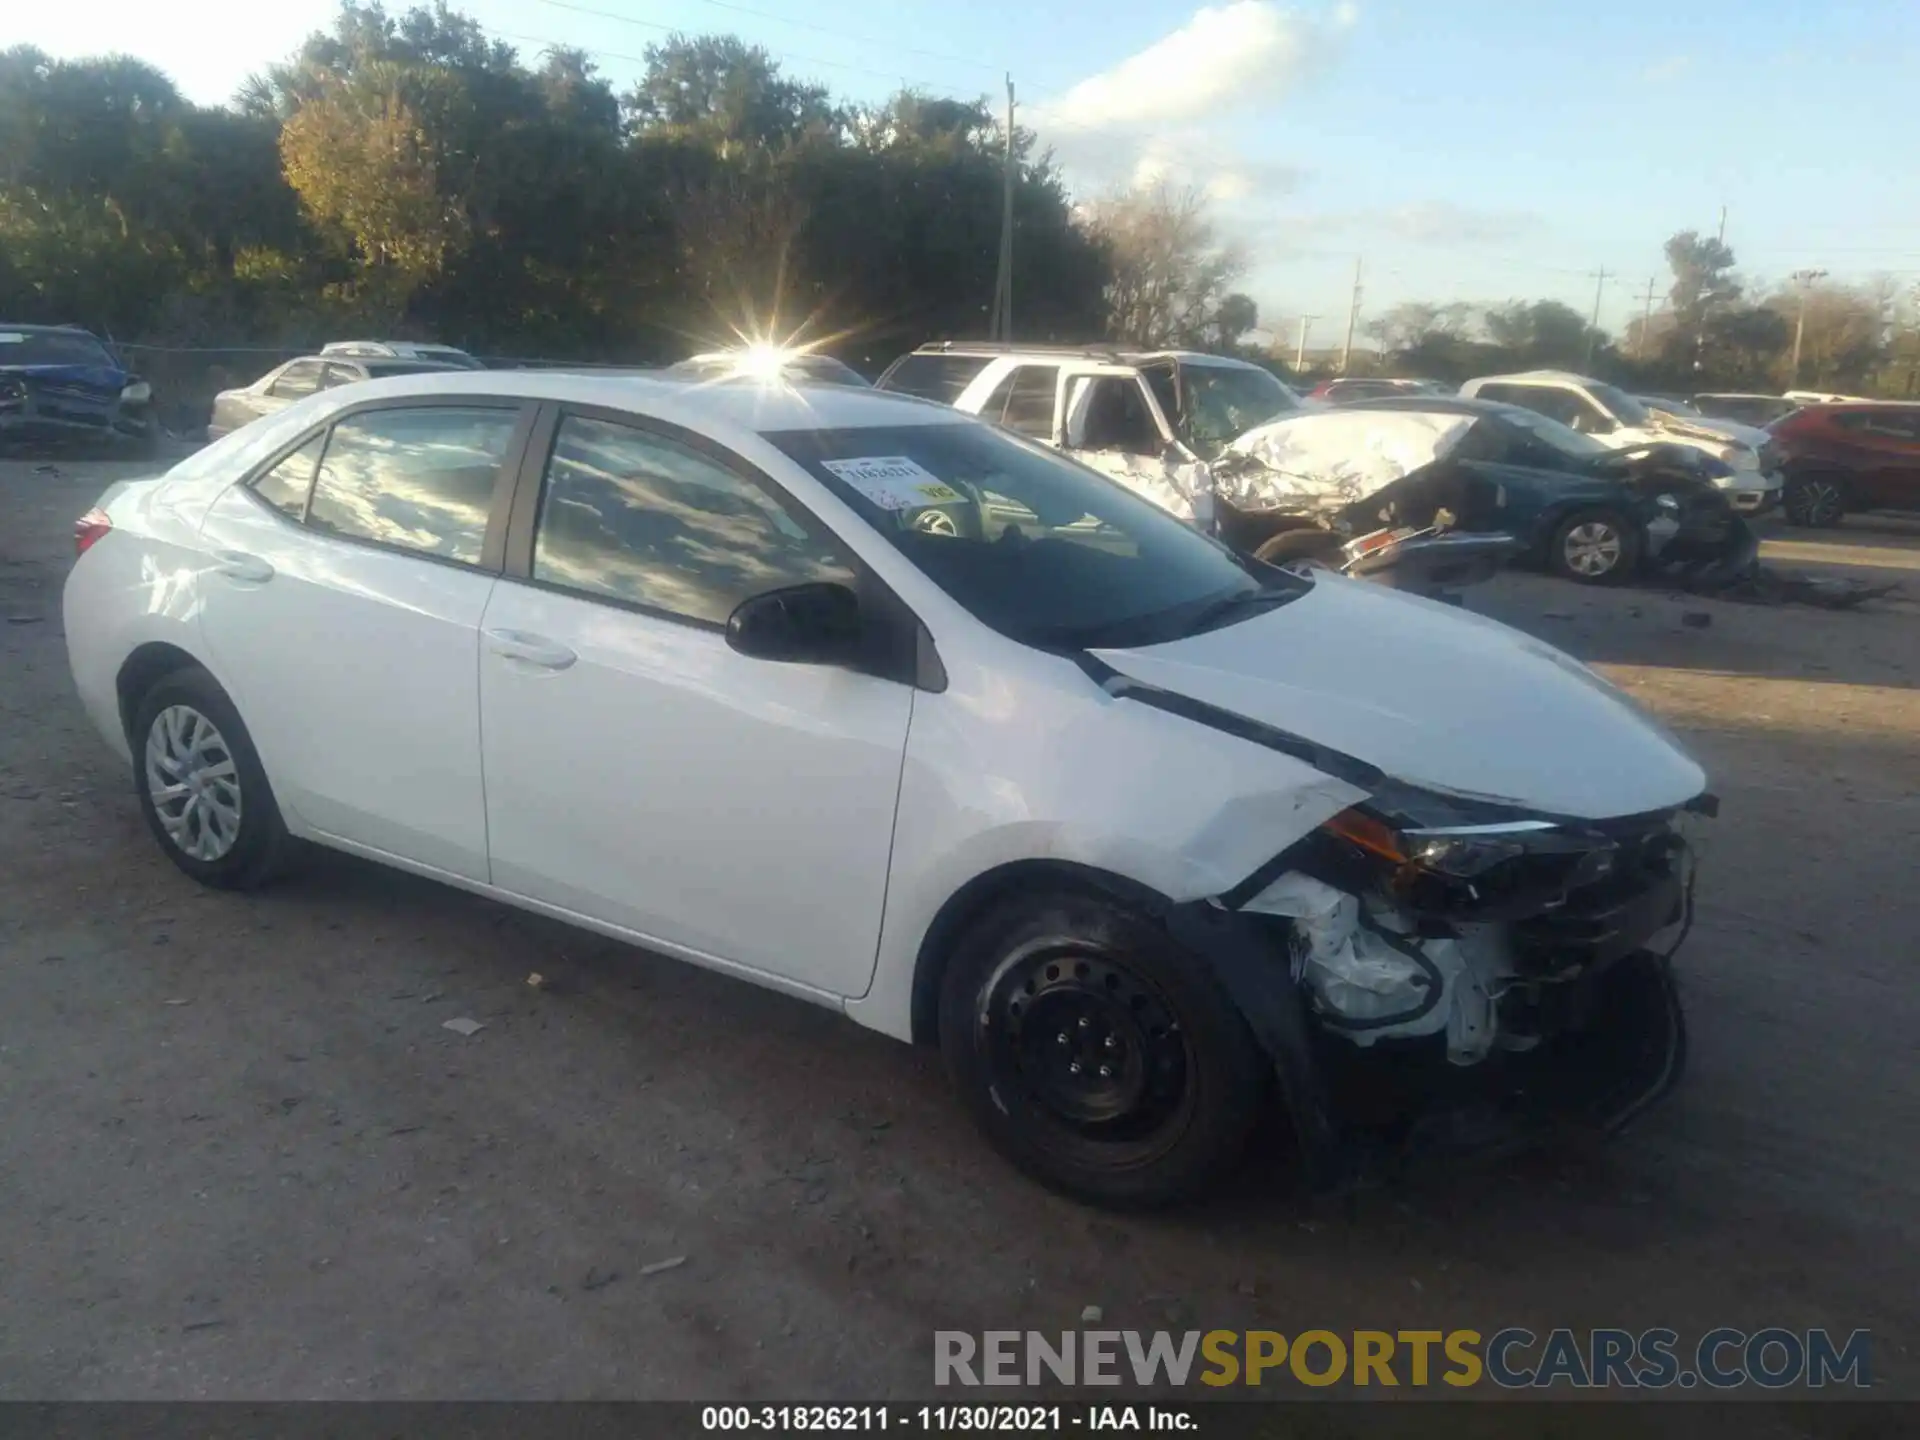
(1722, 237)
(1804, 279)
(1001, 326)
(1300, 350)
(1593, 327)
(1646, 320)
(1353, 315)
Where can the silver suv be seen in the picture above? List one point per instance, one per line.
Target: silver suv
(1151, 419)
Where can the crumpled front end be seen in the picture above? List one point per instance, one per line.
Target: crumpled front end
(1463, 986)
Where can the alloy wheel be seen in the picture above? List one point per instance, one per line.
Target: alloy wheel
(193, 782)
(1815, 502)
(1592, 548)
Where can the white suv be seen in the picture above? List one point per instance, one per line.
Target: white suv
(1753, 480)
(1150, 419)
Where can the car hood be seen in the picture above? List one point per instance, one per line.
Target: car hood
(1332, 456)
(1432, 695)
(106, 381)
(1659, 422)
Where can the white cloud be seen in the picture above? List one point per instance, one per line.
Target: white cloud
(1225, 58)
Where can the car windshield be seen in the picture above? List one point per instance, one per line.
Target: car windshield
(1563, 438)
(1622, 406)
(1223, 402)
(51, 347)
(1034, 545)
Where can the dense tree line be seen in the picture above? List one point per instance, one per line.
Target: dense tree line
(412, 175)
(1715, 331)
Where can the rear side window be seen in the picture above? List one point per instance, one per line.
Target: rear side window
(933, 377)
(297, 381)
(285, 485)
(419, 480)
(1024, 400)
(1888, 424)
(640, 518)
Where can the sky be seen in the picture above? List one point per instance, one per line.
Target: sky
(1472, 150)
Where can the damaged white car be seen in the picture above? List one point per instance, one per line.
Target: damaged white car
(894, 711)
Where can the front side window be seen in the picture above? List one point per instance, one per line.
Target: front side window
(420, 480)
(285, 484)
(638, 517)
(1622, 406)
(1113, 415)
(1031, 543)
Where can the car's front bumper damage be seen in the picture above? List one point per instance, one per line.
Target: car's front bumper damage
(1406, 1017)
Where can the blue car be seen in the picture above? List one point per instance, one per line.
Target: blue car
(60, 383)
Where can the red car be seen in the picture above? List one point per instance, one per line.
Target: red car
(1864, 455)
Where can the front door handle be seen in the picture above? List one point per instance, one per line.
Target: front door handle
(238, 565)
(530, 649)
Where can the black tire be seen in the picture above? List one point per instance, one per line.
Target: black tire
(1189, 1081)
(1582, 532)
(1817, 502)
(260, 849)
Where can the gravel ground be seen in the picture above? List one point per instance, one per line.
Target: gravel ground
(241, 1158)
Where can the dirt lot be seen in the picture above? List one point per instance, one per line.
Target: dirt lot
(239, 1156)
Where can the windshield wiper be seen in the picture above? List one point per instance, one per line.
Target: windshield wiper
(1211, 615)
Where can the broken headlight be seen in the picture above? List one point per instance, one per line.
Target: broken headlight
(1465, 851)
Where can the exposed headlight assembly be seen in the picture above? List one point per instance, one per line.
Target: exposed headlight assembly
(1464, 852)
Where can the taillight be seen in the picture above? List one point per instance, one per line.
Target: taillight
(89, 528)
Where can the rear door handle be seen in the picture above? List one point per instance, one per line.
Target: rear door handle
(238, 565)
(530, 649)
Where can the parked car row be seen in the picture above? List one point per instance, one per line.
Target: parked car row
(902, 712)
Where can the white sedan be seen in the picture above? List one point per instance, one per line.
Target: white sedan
(884, 707)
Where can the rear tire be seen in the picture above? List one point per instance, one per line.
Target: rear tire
(201, 786)
(1595, 547)
(1095, 1054)
(1816, 502)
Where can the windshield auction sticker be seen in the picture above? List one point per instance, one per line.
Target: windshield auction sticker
(893, 482)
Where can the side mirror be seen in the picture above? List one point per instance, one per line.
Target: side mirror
(813, 624)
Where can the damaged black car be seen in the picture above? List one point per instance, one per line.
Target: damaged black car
(1573, 507)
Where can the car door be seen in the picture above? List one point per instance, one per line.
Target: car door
(639, 771)
(1886, 474)
(341, 610)
(1107, 418)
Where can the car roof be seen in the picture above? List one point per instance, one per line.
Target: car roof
(1440, 405)
(47, 330)
(1113, 354)
(744, 404)
(1538, 377)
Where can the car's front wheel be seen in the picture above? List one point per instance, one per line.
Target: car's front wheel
(1594, 547)
(1817, 501)
(201, 786)
(1096, 1054)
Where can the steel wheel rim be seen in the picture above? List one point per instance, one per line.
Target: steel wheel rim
(936, 522)
(193, 782)
(1089, 1043)
(1818, 501)
(1592, 548)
